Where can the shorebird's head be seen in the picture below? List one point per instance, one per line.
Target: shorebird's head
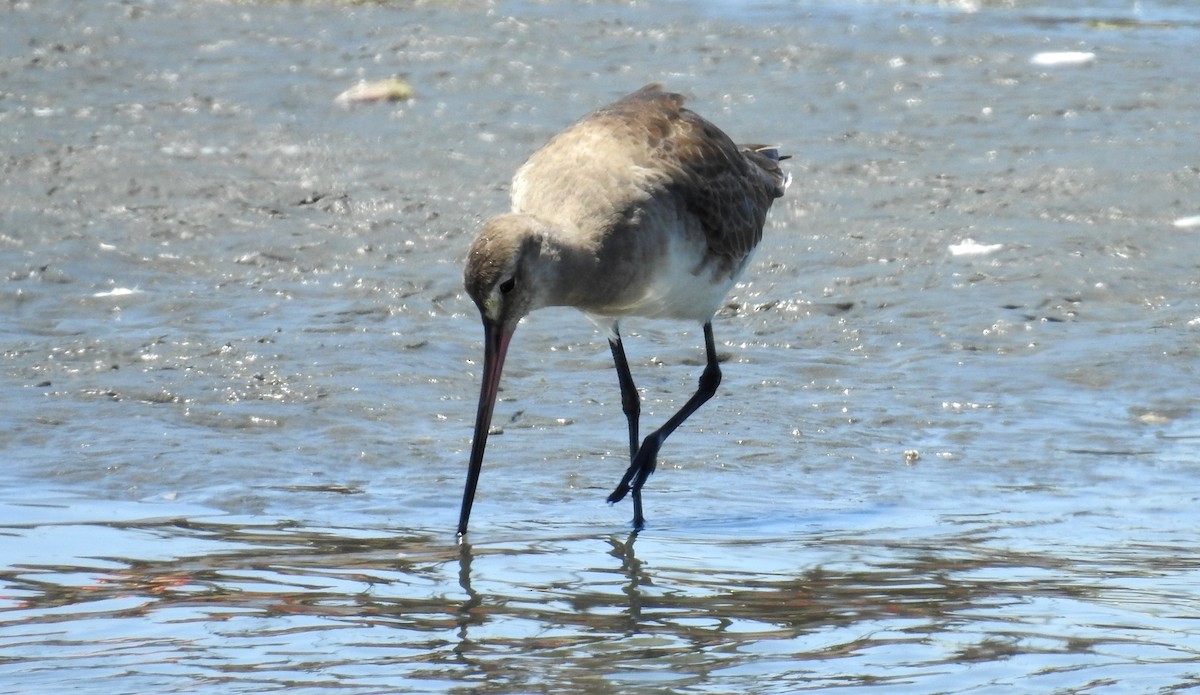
(506, 276)
(505, 273)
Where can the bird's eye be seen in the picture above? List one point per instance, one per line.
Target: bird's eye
(508, 285)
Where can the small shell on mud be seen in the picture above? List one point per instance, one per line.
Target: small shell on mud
(1062, 58)
(970, 247)
(391, 89)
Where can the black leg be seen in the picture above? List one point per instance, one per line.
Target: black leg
(647, 455)
(630, 403)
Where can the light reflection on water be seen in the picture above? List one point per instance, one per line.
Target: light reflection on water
(211, 600)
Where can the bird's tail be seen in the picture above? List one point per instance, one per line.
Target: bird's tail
(772, 157)
(768, 151)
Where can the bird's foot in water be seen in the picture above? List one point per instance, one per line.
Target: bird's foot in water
(622, 489)
(639, 470)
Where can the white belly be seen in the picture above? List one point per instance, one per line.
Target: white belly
(682, 286)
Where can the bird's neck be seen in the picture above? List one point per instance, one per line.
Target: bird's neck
(573, 271)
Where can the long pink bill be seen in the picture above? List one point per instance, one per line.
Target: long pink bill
(495, 346)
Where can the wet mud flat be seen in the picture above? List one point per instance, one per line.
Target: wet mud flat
(954, 445)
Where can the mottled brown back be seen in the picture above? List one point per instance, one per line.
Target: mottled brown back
(648, 145)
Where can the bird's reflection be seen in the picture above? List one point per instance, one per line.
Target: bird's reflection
(638, 577)
(633, 569)
(468, 611)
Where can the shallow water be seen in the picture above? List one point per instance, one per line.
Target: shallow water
(954, 446)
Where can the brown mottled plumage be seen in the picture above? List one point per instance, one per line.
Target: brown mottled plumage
(640, 208)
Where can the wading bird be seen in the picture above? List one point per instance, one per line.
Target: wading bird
(641, 208)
